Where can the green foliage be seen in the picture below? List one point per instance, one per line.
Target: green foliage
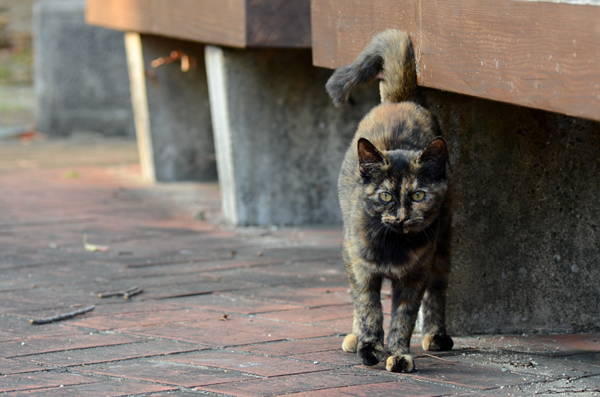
(16, 55)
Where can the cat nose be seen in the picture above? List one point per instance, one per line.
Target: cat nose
(401, 215)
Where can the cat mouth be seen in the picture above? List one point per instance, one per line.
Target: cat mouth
(397, 227)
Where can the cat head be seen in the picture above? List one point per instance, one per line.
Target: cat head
(404, 189)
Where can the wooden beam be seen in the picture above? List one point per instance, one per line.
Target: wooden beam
(234, 23)
(537, 54)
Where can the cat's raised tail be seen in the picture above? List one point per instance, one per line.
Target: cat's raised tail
(389, 56)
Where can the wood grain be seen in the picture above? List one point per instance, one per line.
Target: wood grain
(540, 55)
(235, 23)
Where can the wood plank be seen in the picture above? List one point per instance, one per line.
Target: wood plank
(341, 29)
(207, 21)
(540, 55)
(128, 15)
(235, 23)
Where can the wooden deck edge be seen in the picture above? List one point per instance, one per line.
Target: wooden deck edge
(536, 54)
(233, 23)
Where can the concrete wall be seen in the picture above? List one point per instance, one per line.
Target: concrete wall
(81, 79)
(280, 141)
(526, 237)
(179, 113)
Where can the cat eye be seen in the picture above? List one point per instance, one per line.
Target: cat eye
(418, 196)
(385, 196)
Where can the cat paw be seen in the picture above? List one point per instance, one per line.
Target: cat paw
(370, 353)
(350, 342)
(437, 342)
(402, 363)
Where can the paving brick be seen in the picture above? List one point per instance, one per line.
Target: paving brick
(103, 388)
(196, 266)
(260, 277)
(334, 357)
(588, 358)
(228, 304)
(62, 343)
(274, 328)
(402, 388)
(290, 348)
(332, 269)
(42, 380)
(57, 300)
(202, 333)
(251, 364)
(205, 282)
(453, 373)
(308, 316)
(343, 325)
(119, 306)
(310, 297)
(200, 288)
(167, 373)
(19, 327)
(11, 367)
(557, 345)
(300, 254)
(295, 288)
(6, 337)
(112, 353)
(131, 320)
(297, 383)
(179, 394)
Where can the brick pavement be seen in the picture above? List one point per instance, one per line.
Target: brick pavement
(247, 312)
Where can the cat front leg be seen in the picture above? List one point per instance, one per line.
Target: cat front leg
(406, 300)
(367, 334)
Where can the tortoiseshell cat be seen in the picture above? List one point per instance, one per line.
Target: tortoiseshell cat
(393, 191)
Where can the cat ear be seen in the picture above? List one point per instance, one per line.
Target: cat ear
(434, 159)
(368, 156)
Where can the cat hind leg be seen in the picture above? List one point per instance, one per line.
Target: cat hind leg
(350, 343)
(435, 337)
(437, 342)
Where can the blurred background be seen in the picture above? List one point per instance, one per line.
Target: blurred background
(16, 66)
(62, 108)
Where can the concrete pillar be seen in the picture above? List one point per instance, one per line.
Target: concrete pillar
(81, 81)
(171, 108)
(279, 140)
(526, 227)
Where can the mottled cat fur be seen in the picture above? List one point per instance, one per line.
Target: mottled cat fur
(393, 191)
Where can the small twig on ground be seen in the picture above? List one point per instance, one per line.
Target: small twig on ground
(93, 247)
(572, 391)
(357, 374)
(61, 317)
(132, 293)
(439, 358)
(117, 293)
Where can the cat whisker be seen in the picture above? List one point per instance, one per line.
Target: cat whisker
(426, 230)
